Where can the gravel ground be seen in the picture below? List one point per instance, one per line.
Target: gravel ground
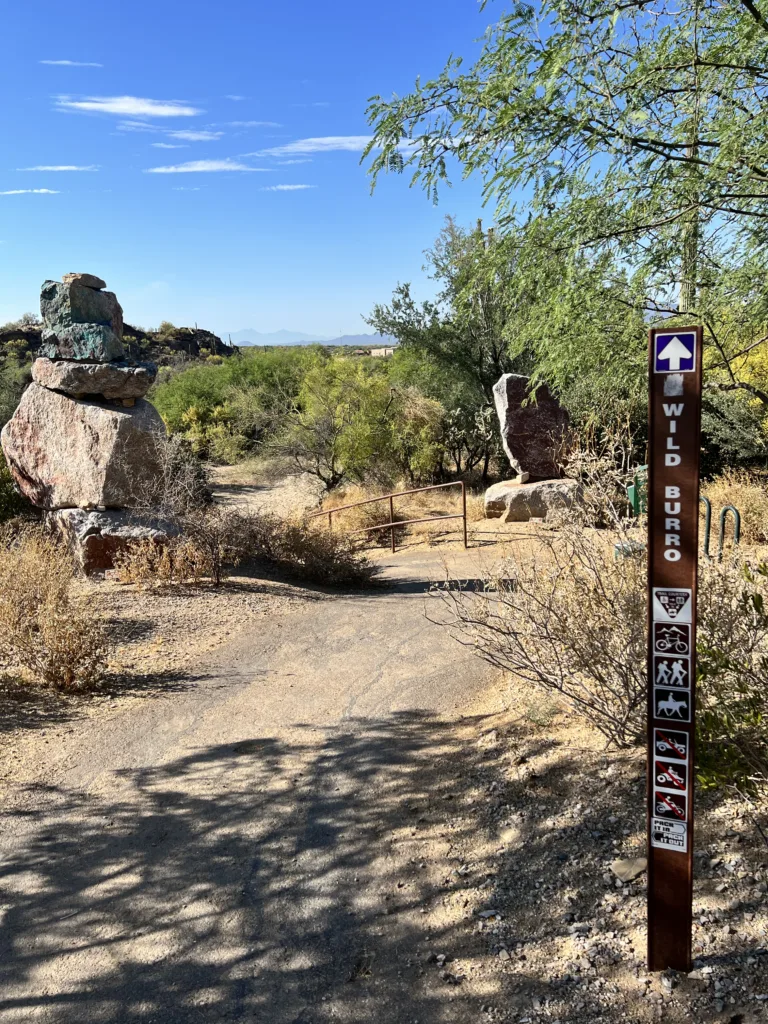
(540, 917)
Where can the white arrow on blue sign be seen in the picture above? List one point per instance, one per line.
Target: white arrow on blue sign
(674, 353)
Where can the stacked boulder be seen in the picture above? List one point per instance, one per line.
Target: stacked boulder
(534, 431)
(82, 444)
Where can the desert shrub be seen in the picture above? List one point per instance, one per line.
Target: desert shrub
(181, 486)
(215, 539)
(208, 542)
(569, 620)
(732, 666)
(150, 565)
(43, 627)
(603, 460)
(307, 550)
(749, 493)
(572, 620)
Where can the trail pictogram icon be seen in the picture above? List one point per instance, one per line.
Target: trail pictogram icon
(671, 605)
(669, 638)
(673, 704)
(672, 775)
(671, 744)
(668, 805)
(672, 672)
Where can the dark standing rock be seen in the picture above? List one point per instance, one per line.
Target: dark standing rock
(531, 433)
(88, 280)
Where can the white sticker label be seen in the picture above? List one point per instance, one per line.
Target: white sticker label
(669, 835)
(670, 605)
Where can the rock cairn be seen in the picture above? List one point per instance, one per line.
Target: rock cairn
(82, 444)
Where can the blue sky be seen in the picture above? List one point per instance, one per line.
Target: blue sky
(122, 90)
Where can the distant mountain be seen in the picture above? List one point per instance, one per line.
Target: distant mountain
(248, 337)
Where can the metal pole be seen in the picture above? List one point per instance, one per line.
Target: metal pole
(392, 519)
(464, 509)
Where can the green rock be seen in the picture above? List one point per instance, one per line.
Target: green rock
(80, 323)
(85, 343)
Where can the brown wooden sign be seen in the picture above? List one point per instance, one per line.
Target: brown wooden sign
(673, 550)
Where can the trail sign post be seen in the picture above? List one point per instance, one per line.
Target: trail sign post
(673, 549)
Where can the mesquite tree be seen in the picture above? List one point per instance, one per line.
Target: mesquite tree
(635, 126)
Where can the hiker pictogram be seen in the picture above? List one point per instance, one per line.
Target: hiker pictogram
(671, 744)
(672, 775)
(671, 605)
(670, 805)
(671, 638)
(671, 704)
(672, 672)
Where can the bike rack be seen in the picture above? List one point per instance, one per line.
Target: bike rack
(707, 525)
(736, 529)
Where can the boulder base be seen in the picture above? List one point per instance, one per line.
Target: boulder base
(518, 503)
(532, 433)
(65, 453)
(112, 380)
(95, 538)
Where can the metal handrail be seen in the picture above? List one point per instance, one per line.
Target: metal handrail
(401, 522)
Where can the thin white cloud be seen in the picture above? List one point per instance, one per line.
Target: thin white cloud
(141, 126)
(169, 145)
(301, 160)
(127, 106)
(60, 167)
(72, 63)
(196, 136)
(184, 188)
(253, 124)
(287, 188)
(326, 144)
(196, 166)
(236, 99)
(31, 191)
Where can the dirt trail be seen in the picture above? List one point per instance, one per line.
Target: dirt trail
(221, 851)
(335, 817)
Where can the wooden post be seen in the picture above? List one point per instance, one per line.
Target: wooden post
(673, 551)
(392, 519)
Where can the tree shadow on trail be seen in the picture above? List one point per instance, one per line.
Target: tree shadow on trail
(307, 881)
(257, 881)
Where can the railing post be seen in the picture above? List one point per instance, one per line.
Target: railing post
(464, 509)
(330, 520)
(392, 519)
